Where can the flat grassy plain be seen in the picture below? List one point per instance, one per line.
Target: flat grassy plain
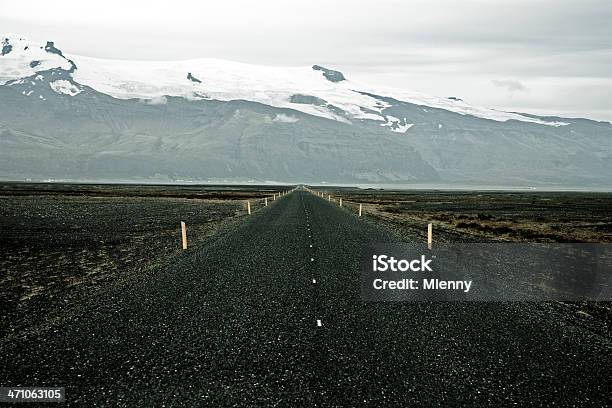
(62, 243)
(460, 216)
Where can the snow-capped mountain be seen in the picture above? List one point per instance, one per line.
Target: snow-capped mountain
(72, 117)
(313, 90)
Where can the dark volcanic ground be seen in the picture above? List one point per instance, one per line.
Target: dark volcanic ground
(62, 243)
(234, 321)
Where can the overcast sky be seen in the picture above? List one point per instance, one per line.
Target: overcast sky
(536, 56)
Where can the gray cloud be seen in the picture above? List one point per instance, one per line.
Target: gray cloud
(510, 84)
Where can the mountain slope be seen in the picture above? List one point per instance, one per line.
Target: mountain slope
(68, 117)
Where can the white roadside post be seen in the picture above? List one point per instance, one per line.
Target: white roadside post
(265, 201)
(340, 202)
(329, 197)
(429, 235)
(360, 210)
(184, 234)
(249, 207)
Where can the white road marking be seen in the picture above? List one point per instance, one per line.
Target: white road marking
(311, 259)
(311, 245)
(314, 281)
(319, 324)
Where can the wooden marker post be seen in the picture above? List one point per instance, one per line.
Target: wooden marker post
(340, 202)
(265, 201)
(249, 207)
(184, 234)
(360, 210)
(429, 235)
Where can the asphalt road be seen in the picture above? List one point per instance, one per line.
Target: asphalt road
(235, 322)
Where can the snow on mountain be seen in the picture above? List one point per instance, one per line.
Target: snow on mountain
(65, 87)
(274, 86)
(331, 95)
(21, 58)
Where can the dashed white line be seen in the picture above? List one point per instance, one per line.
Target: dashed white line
(319, 324)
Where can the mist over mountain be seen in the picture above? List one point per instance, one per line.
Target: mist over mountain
(68, 117)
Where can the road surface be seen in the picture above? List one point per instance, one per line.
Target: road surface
(239, 321)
